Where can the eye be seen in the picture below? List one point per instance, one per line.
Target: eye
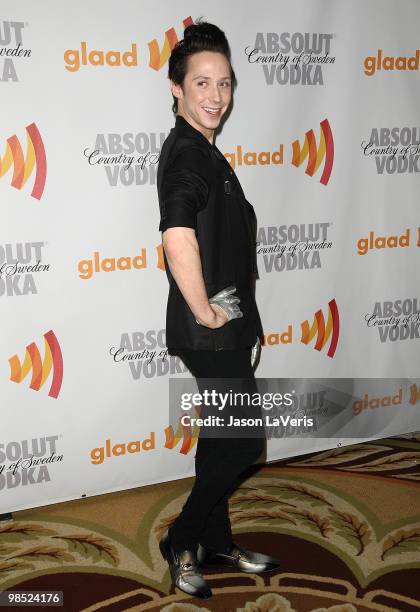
(201, 82)
(225, 84)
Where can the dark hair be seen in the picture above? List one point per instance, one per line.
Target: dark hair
(199, 36)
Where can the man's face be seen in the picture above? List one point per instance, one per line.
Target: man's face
(206, 92)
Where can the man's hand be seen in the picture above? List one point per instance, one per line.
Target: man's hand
(225, 304)
(218, 318)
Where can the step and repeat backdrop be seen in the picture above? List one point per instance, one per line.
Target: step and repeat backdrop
(324, 135)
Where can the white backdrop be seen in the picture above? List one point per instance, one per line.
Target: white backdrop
(80, 261)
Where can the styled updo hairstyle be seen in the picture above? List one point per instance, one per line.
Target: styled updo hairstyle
(199, 36)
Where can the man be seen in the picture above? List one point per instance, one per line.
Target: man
(208, 235)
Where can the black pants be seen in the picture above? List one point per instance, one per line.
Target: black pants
(204, 517)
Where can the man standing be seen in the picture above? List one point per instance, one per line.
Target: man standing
(212, 322)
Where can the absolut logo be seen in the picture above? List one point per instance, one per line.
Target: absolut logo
(146, 354)
(395, 150)
(11, 47)
(307, 409)
(291, 58)
(292, 247)
(127, 159)
(19, 262)
(26, 462)
(396, 320)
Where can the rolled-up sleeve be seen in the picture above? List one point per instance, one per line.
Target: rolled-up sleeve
(184, 190)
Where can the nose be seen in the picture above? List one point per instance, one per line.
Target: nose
(216, 95)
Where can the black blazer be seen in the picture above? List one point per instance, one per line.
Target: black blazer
(197, 188)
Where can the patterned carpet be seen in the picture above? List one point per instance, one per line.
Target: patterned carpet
(345, 522)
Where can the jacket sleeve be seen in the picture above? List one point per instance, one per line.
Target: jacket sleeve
(185, 189)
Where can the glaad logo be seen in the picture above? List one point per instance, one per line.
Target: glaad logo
(315, 155)
(395, 150)
(28, 463)
(23, 167)
(398, 320)
(146, 354)
(75, 58)
(377, 402)
(128, 159)
(291, 58)
(364, 245)
(292, 247)
(88, 267)
(18, 263)
(185, 433)
(158, 58)
(252, 158)
(98, 455)
(373, 63)
(160, 257)
(323, 331)
(11, 48)
(414, 394)
(53, 360)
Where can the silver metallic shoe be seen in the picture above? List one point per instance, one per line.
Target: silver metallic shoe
(184, 570)
(244, 560)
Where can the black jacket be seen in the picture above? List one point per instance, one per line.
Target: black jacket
(197, 188)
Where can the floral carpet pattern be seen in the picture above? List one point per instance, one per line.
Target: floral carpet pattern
(345, 523)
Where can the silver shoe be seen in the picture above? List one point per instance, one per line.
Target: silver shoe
(184, 570)
(240, 558)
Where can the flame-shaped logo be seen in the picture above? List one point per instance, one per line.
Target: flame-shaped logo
(189, 437)
(23, 167)
(414, 394)
(159, 58)
(332, 328)
(160, 257)
(315, 155)
(53, 359)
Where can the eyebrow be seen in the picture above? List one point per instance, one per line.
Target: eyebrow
(206, 77)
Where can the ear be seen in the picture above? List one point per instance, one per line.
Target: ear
(176, 90)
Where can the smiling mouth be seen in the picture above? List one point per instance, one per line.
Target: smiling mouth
(212, 111)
